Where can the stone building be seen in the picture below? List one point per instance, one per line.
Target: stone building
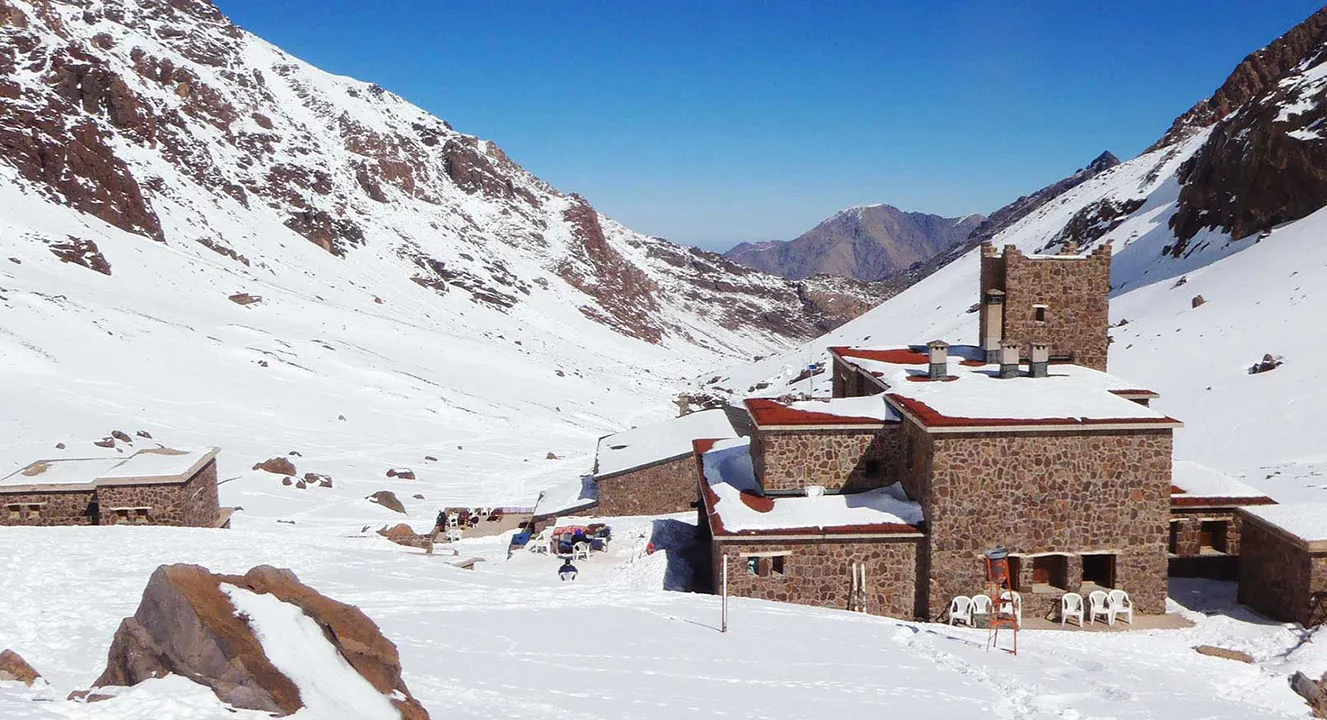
(1059, 300)
(1205, 523)
(1283, 563)
(159, 486)
(649, 470)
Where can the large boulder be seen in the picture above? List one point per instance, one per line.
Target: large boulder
(13, 668)
(186, 624)
(278, 465)
(387, 499)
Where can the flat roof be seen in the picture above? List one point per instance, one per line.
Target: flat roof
(649, 444)
(974, 396)
(735, 507)
(1196, 485)
(1306, 521)
(152, 465)
(870, 411)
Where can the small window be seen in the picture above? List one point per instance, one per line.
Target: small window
(1015, 569)
(776, 564)
(1213, 533)
(753, 566)
(15, 512)
(34, 512)
(1099, 570)
(1050, 572)
(1173, 545)
(1039, 312)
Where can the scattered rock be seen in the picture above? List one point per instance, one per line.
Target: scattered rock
(286, 522)
(1312, 692)
(144, 434)
(278, 465)
(318, 478)
(403, 534)
(245, 299)
(1198, 300)
(1183, 279)
(121, 436)
(377, 299)
(417, 496)
(286, 480)
(82, 252)
(550, 456)
(296, 453)
(387, 499)
(1268, 362)
(16, 261)
(106, 442)
(262, 363)
(974, 307)
(186, 625)
(13, 668)
(59, 446)
(1226, 653)
(401, 473)
(340, 417)
(560, 373)
(430, 458)
(300, 484)
(88, 696)
(458, 447)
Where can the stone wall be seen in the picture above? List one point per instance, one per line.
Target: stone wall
(1279, 578)
(192, 503)
(53, 508)
(667, 487)
(849, 381)
(1073, 493)
(1187, 557)
(817, 572)
(1075, 291)
(846, 460)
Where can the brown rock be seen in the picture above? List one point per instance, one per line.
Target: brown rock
(186, 625)
(144, 434)
(14, 668)
(82, 252)
(403, 534)
(59, 446)
(550, 456)
(286, 480)
(278, 465)
(417, 496)
(301, 484)
(430, 458)
(1198, 300)
(1312, 692)
(106, 442)
(1226, 653)
(121, 436)
(402, 473)
(245, 299)
(387, 499)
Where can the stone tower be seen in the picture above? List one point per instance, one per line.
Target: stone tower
(1060, 300)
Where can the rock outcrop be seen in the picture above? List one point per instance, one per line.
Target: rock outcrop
(186, 625)
(278, 465)
(13, 668)
(387, 499)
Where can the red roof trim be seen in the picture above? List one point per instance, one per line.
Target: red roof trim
(709, 499)
(1192, 501)
(897, 356)
(1138, 392)
(768, 412)
(930, 417)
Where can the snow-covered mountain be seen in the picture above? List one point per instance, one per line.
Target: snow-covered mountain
(866, 242)
(1226, 206)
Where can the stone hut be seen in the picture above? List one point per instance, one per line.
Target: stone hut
(1283, 562)
(649, 470)
(1205, 522)
(1059, 300)
(160, 486)
(839, 445)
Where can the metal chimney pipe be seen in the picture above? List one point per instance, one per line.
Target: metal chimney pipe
(938, 353)
(1039, 367)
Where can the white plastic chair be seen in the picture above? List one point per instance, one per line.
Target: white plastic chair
(580, 550)
(1120, 605)
(1099, 604)
(1011, 604)
(453, 520)
(960, 610)
(541, 542)
(981, 605)
(1071, 606)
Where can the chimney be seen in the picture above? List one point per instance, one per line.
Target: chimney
(992, 324)
(1041, 359)
(1008, 360)
(938, 353)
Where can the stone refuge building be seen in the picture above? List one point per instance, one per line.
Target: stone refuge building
(158, 486)
(1283, 563)
(1205, 522)
(1060, 300)
(649, 470)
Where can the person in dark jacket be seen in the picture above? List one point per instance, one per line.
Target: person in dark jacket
(567, 571)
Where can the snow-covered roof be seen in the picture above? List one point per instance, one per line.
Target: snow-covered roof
(661, 441)
(570, 494)
(1195, 484)
(155, 465)
(1306, 521)
(973, 395)
(734, 506)
(870, 411)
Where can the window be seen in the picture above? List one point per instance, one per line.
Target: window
(1099, 570)
(1050, 572)
(14, 512)
(34, 512)
(1039, 312)
(765, 564)
(1173, 547)
(1213, 534)
(776, 564)
(753, 566)
(1015, 569)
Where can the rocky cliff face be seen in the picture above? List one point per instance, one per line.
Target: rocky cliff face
(164, 119)
(1026, 204)
(868, 243)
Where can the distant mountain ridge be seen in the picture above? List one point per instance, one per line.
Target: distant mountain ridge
(866, 242)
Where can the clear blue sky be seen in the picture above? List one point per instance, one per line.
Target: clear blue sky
(711, 123)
